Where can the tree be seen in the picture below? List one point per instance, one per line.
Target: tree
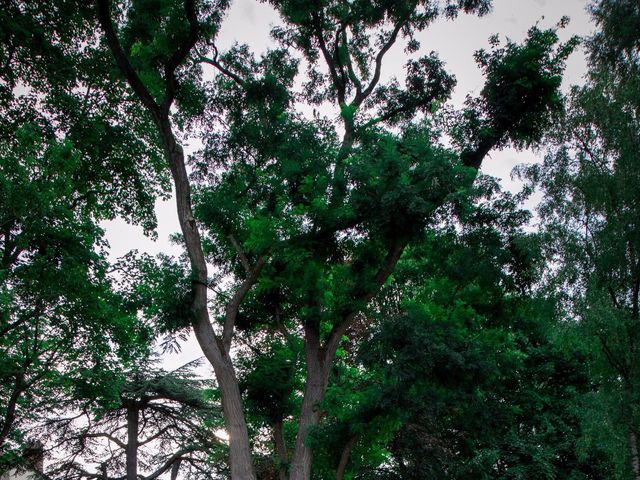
(63, 150)
(154, 422)
(590, 213)
(461, 375)
(287, 205)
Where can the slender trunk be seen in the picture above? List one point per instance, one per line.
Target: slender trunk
(235, 423)
(132, 442)
(281, 449)
(635, 459)
(315, 387)
(10, 414)
(216, 352)
(344, 458)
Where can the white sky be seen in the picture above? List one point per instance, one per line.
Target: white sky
(249, 22)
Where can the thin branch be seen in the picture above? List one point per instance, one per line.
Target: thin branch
(340, 87)
(385, 271)
(221, 68)
(180, 55)
(241, 255)
(234, 305)
(378, 68)
(170, 461)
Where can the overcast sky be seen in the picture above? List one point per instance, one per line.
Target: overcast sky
(249, 21)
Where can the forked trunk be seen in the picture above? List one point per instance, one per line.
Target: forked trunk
(235, 423)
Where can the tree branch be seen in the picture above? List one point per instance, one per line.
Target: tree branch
(104, 17)
(389, 264)
(180, 55)
(378, 68)
(221, 68)
(234, 305)
(241, 255)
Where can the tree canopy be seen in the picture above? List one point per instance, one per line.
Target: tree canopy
(371, 305)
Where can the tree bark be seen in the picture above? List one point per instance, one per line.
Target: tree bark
(344, 458)
(315, 388)
(281, 449)
(132, 442)
(635, 459)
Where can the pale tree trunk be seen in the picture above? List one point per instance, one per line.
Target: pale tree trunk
(216, 350)
(132, 442)
(635, 459)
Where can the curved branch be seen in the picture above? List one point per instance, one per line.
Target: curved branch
(104, 18)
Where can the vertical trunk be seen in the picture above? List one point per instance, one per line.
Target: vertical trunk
(635, 459)
(316, 385)
(235, 424)
(132, 442)
(344, 458)
(281, 449)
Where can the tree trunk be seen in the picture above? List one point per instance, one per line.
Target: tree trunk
(316, 385)
(344, 459)
(635, 459)
(236, 426)
(281, 449)
(132, 442)
(175, 469)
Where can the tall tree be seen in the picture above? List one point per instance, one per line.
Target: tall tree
(591, 214)
(63, 150)
(313, 211)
